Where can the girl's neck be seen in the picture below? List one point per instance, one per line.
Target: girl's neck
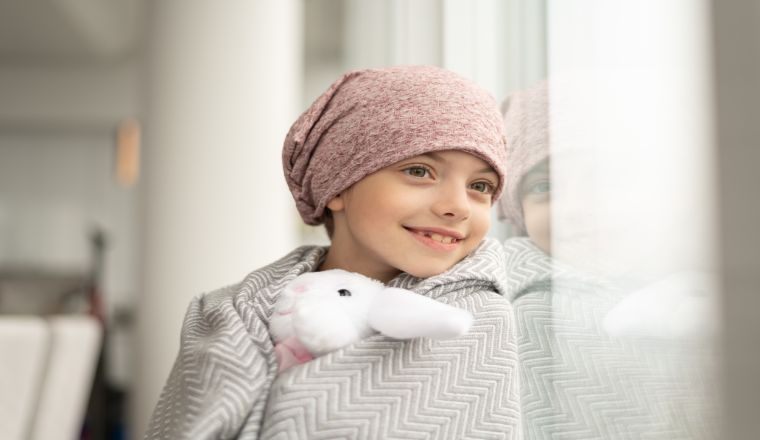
(337, 260)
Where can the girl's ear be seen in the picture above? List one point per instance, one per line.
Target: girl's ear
(337, 203)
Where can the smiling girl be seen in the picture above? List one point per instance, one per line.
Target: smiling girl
(403, 166)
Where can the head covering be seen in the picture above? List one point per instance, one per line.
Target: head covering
(526, 121)
(370, 119)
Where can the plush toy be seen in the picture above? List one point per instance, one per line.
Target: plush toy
(319, 312)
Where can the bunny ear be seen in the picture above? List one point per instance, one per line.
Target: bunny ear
(402, 314)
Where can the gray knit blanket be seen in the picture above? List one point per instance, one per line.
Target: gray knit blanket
(224, 382)
(580, 383)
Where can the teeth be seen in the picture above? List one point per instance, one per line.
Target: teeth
(440, 238)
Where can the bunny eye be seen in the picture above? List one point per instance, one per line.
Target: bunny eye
(344, 292)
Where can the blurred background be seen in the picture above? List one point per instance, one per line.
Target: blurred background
(140, 165)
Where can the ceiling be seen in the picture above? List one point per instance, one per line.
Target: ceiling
(68, 30)
(71, 31)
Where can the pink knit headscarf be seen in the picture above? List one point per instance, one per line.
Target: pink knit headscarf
(370, 119)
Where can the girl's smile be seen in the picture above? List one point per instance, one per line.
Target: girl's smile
(437, 238)
(421, 216)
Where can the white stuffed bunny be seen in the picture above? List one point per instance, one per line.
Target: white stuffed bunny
(319, 312)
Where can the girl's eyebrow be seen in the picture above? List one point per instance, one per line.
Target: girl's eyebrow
(437, 158)
(540, 170)
(434, 156)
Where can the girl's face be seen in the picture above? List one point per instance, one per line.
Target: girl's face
(535, 193)
(420, 216)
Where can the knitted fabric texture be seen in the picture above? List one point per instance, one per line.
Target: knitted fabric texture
(370, 119)
(526, 121)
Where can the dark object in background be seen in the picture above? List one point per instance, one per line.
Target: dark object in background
(106, 411)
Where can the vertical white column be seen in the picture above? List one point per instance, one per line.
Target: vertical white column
(394, 32)
(367, 34)
(223, 86)
(481, 41)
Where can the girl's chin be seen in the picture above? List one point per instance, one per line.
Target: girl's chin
(429, 271)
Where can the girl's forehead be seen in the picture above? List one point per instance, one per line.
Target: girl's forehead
(455, 158)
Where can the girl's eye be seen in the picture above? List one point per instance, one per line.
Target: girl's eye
(541, 187)
(483, 187)
(417, 171)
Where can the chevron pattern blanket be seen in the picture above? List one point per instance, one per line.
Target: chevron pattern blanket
(578, 382)
(224, 382)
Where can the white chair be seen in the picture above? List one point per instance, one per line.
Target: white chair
(46, 371)
(24, 344)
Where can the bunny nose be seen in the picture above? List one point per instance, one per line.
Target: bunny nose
(299, 289)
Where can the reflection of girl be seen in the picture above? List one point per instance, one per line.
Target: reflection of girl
(535, 202)
(578, 381)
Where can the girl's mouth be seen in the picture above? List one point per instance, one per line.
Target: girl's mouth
(437, 239)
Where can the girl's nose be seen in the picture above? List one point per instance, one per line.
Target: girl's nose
(452, 203)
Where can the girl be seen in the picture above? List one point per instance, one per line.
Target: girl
(402, 165)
